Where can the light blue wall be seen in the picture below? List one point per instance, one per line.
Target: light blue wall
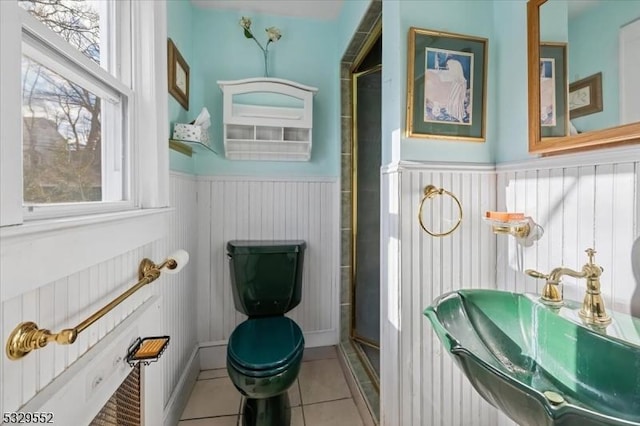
(179, 19)
(348, 21)
(465, 17)
(510, 47)
(592, 51)
(306, 53)
(310, 51)
(553, 21)
(392, 97)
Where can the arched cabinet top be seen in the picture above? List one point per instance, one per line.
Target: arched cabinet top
(264, 84)
(267, 127)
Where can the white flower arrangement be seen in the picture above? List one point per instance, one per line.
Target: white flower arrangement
(273, 35)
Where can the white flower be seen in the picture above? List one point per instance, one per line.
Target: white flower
(273, 33)
(245, 23)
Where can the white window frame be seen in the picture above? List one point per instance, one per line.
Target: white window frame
(146, 100)
(62, 246)
(46, 48)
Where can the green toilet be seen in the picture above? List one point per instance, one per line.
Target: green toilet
(265, 351)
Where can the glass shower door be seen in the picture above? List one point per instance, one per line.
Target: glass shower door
(367, 91)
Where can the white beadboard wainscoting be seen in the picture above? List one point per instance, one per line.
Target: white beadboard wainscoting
(67, 300)
(420, 385)
(587, 204)
(581, 201)
(65, 303)
(180, 361)
(250, 208)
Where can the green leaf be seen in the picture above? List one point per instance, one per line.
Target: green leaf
(247, 34)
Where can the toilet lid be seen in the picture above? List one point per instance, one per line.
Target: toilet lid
(265, 343)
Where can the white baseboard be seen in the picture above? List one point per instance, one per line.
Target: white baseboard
(314, 339)
(180, 395)
(214, 354)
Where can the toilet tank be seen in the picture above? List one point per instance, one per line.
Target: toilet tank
(266, 276)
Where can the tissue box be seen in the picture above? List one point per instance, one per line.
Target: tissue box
(190, 132)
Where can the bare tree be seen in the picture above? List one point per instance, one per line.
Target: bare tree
(63, 160)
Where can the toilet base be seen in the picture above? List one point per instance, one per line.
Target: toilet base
(274, 411)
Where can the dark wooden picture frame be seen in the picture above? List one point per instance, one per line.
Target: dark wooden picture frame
(584, 102)
(178, 75)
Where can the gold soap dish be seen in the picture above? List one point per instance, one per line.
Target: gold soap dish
(522, 227)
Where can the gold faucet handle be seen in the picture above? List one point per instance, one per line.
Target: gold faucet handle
(591, 268)
(536, 274)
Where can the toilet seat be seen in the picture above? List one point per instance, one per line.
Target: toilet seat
(265, 346)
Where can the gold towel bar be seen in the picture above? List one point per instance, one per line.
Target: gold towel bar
(27, 337)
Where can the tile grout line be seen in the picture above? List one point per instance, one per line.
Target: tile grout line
(213, 378)
(334, 356)
(207, 417)
(304, 421)
(329, 400)
(240, 408)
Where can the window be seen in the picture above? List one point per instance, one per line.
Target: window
(83, 110)
(74, 106)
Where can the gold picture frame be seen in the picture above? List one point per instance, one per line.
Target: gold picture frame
(585, 96)
(446, 85)
(178, 75)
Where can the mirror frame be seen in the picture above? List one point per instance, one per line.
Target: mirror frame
(613, 136)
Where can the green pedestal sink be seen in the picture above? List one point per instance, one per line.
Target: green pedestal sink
(538, 364)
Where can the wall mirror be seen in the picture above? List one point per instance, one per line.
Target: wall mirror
(584, 90)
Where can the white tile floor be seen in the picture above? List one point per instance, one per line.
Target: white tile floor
(319, 397)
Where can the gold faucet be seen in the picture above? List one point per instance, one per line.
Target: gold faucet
(592, 311)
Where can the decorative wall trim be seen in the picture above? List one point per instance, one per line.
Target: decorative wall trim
(182, 391)
(589, 158)
(236, 178)
(71, 246)
(440, 166)
(188, 176)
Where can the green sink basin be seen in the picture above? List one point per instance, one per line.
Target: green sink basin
(540, 365)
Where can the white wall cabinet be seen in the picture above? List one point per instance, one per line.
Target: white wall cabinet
(267, 119)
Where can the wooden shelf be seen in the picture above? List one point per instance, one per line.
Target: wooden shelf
(189, 147)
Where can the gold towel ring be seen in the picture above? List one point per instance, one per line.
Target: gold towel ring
(431, 191)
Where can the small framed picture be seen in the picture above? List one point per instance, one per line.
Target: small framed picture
(553, 89)
(446, 87)
(178, 75)
(585, 96)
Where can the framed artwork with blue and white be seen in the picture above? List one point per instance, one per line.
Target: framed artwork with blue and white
(548, 106)
(446, 87)
(554, 112)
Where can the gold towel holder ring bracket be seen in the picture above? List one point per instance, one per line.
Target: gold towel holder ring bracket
(430, 192)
